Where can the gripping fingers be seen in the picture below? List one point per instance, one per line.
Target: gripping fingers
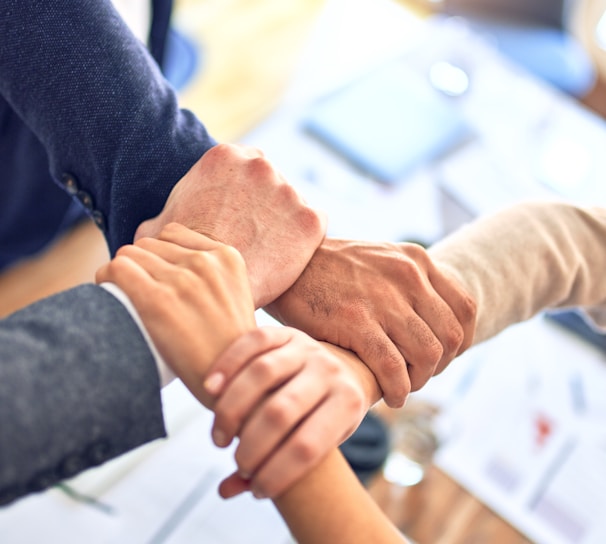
(245, 393)
(152, 260)
(305, 448)
(273, 421)
(154, 266)
(421, 349)
(180, 235)
(239, 353)
(124, 272)
(461, 304)
(386, 362)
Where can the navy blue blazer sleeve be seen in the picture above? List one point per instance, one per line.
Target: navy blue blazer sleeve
(93, 95)
(78, 386)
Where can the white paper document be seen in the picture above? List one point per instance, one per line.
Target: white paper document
(527, 433)
(163, 493)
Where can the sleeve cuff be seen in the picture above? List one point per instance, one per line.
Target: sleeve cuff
(164, 371)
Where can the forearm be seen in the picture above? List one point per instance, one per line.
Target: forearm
(330, 505)
(527, 258)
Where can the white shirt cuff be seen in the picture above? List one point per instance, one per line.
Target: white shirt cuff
(166, 374)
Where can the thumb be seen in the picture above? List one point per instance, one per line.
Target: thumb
(148, 229)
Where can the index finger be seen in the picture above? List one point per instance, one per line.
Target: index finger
(239, 352)
(462, 305)
(378, 352)
(186, 237)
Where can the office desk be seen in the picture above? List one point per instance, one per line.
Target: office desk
(438, 510)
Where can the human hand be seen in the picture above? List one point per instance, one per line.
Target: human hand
(386, 302)
(234, 195)
(289, 399)
(191, 293)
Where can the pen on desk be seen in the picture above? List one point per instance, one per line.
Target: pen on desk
(552, 470)
(577, 393)
(85, 499)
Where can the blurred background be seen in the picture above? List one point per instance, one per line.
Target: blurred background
(492, 102)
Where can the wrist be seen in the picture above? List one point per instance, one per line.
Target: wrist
(164, 371)
(367, 380)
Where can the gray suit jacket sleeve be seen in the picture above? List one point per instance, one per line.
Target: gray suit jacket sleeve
(78, 386)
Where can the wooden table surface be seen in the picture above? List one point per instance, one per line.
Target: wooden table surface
(250, 48)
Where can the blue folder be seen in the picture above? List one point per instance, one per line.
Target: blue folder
(387, 122)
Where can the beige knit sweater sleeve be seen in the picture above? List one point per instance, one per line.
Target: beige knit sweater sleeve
(527, 258)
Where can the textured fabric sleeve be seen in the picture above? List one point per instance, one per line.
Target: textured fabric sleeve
(95, 98)
(78, 386)
(528, 258)
(164, 371)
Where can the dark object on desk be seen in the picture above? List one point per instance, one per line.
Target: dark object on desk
(574, 321)
(545, 12)
(387, 122)
(367, 448)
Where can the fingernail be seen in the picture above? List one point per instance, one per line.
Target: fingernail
(214, 383)
(220, 438)
(244, 475)
(258, 494)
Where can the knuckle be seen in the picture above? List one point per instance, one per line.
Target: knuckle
(332, 367)
(305, 450)
(232, 257)
(416, 252)
(125, 251)
(419, 253)
(357, 312)
(469, 309)
(263, 368)
(277, 411)
(164, 297)
(262, 168)
(310, 221)
(415, 277)
(196, 261)
(170, 228)
(394, 383)
(355, 399)
(262, 335)
(391, 373)
(119, 262)
(396, 397)
(453, 339)
(183, 279)
(434, 352)
(220, 150)
(392, 366)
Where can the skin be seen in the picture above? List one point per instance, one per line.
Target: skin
(290, 400)
(406, 328)
(185, 285)
(202, 296)
(330, 505)
(233, 194)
